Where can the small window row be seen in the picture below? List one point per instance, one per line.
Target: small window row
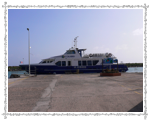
(80, 63)
(59, 63)
(46, 61)
(87, 63)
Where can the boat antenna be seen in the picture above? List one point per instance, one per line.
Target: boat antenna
(75, 42)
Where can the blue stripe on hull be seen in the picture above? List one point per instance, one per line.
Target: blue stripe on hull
(60, 70)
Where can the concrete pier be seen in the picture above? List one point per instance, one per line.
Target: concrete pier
(76, 93)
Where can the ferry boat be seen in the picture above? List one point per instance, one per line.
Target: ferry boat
(74, 60)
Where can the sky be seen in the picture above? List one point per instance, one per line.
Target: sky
(52, 31)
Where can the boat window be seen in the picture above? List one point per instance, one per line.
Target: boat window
(84, 63)
(79, 63)
(69, 63)
(50, 61)
(70, 52)
(63, 63)
(44, 62)
(95, 62)
(89, 63)
(58, 63)
(40, 62)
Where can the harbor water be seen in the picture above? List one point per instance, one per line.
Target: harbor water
(16, 72)
(130, 70)
(135, 70)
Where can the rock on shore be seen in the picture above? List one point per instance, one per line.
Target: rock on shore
(14, 76)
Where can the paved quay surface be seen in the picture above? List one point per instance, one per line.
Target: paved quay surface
(76, 93)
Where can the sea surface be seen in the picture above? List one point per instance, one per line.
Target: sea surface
(15, 72)
(134, 69)
(130, 70)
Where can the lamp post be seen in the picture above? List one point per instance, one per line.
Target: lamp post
(29, 49)
(102, 65)
(23, 60)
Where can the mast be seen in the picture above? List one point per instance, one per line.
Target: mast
(75, 42)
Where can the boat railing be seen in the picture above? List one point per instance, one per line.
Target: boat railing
(93, 55)
(99, 55)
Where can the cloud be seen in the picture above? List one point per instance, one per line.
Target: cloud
(138, 32)
(100, 49)
(124, 33)
(96, 48)
(121, 47)
(106, 49)
(124, 47)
